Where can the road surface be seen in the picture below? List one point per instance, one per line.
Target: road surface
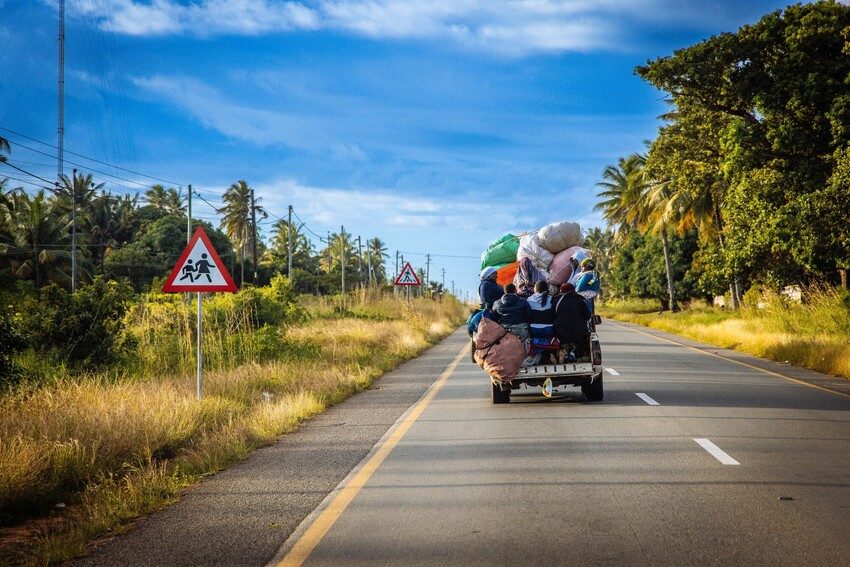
(692, 458)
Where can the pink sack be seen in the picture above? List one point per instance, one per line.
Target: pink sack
(497, 351)
(561, 270)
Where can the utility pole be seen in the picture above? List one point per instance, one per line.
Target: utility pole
(360, 260)
(428, 273)
(60, 130)
(444, 278)
(254, 235)
(342, 256)
(395, 275)
(453, 287)
(189, 216)
(73, 232)
(289, 244)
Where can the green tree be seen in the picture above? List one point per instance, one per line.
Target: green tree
(277, 254)
(170, 201)
(376, 256)
(776, 92)
(237, 223)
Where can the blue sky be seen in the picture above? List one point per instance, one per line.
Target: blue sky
(436, 125)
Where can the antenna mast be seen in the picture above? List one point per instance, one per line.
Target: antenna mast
(60, 130)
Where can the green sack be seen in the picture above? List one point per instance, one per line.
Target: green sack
(502, 251)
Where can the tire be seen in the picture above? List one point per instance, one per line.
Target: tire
(472, 350)
(500, 396)
(594, 392)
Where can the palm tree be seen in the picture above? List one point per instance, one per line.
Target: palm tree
(40, 233)
(4, 148)
(170, 201)
(107, 217)
(302, 250)
(600, 244)
(632, 201)
(236, 220)
(376, 255)
(75, 195)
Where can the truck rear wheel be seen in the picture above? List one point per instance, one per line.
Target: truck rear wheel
(594, 391)
(500, 396)
(472, 350)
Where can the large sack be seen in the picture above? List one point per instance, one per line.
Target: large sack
(527, 275)
(529, 247)
(506, 273)
(497, 351)
(559, 236)
(502, 251)
(561, 269)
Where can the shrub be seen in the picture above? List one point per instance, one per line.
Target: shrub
(84, 328)
(10, 342)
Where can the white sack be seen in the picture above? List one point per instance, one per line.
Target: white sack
(529, 247)
(559, 236)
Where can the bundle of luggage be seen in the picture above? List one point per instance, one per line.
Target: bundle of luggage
(540, 255)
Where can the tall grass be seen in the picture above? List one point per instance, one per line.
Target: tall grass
(110, 450)
(814, 333)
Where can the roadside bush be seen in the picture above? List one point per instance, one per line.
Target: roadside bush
(10, 342)
(84, 328)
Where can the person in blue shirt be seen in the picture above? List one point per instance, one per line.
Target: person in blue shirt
(588, 284)
(488, 290)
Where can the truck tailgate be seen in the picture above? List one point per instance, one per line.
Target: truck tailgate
(566, 369)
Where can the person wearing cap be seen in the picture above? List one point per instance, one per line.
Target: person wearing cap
(588, 284)
(488, 290)
(575, 262)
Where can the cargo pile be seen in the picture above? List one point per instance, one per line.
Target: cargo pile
(540, 255)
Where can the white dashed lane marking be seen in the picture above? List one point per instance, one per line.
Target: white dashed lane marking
(647, 399)
(612, 372)
(716, 452)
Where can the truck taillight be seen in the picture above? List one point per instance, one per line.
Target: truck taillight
(596, 350)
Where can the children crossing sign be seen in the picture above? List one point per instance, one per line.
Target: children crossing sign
(199, 268)
(407, 276)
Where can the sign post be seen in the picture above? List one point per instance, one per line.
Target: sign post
(407, 278)
(199, 269)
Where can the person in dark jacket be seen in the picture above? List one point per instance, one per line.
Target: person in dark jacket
(488, 290)
(571, 318)
(513, 312)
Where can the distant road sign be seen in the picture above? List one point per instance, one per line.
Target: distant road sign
(199, 268)
(407, 276)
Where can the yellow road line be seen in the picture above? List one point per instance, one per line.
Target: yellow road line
(748, 365)
(320, 526)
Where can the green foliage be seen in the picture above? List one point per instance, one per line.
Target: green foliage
(11, 342)
(755, 151)
(84, 328)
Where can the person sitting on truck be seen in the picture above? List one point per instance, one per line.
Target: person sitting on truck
(571, 318)
(513, 312)
(488, 290)
(575, 261)
(588, 283)
(542, 312)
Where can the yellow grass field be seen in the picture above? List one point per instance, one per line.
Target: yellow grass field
(814, 334)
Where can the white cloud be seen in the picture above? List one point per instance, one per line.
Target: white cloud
(515, 27)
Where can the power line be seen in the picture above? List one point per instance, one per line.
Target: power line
(26, 172)
(89, 158)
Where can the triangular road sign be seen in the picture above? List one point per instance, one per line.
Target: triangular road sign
(199, 268)
(407, 276)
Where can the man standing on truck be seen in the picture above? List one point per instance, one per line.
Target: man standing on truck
(571, 317)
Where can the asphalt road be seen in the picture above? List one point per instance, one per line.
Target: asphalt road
(716, 462)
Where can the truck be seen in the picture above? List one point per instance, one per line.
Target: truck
(585, 375)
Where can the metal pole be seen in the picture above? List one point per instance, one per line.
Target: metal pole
(60, 130)
(189, 216)
(342, 257)
(359, 260)
(200, 374)
(444, 278)
(428, 272)
(289, 244)
(254, 236)
(395, 275)
(74, 231)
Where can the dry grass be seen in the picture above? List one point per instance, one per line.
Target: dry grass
(112, 450)
(814, 334)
